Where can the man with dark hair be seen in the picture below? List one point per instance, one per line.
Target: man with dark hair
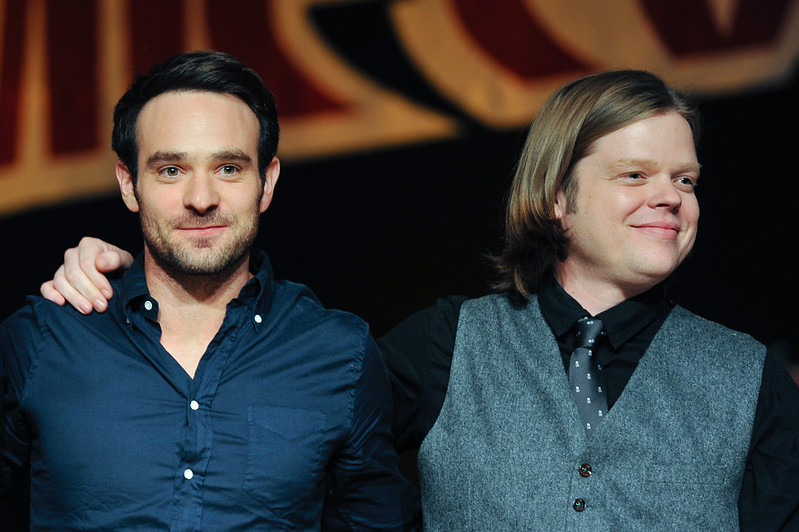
(579, 396)
(210, 396)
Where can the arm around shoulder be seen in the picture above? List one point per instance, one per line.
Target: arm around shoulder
(418, 354)
(367, 489)
(81, 281)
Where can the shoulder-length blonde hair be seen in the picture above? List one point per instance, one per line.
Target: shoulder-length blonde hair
(563, 132)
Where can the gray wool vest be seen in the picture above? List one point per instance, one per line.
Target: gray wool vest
(508, 451)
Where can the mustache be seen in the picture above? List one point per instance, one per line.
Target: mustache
(191, 219)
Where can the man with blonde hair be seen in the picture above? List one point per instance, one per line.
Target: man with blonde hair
(579, 396)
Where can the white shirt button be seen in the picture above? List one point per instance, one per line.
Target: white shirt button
(188, 474)
(194, 405)
(258, 318)
(148, 305)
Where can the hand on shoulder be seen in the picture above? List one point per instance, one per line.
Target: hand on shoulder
(81, 280)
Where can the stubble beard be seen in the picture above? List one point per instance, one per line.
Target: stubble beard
(199, 258)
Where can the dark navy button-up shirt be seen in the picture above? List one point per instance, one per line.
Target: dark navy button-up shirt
(286, 424)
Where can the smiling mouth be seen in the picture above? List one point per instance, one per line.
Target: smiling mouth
(204, 230)
(662, 231)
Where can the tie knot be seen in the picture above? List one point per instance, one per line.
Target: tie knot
(588, 330)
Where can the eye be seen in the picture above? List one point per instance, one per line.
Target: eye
(170, 171)
(634, 176)
(229, 169)
(687, 183)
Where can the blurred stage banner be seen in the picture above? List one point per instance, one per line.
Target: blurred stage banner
(353, 75)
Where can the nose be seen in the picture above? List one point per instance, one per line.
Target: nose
(200, 194)
(664, 194)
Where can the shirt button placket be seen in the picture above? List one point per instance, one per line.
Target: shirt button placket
(188, 496)
(194, 406)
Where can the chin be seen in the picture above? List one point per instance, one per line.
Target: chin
(647, 276)
(660, 263)
(652, 277)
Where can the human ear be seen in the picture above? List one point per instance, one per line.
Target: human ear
(127, 187)
(561, 206)
(270, 180)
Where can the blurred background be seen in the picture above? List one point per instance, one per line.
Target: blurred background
(402, 121)
(401, 124)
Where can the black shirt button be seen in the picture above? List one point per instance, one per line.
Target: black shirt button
(585, 470)
(579, 505)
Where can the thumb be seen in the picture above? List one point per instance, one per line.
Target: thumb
(112, 260)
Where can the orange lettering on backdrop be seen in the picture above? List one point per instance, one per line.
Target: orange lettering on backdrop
(156, 31)
(686, 26)
(245, 28)
(72, 42)
(13, 34)
(514, 39)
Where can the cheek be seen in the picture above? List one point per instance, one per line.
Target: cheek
(690, 211)
(628, 201)
(164, 200)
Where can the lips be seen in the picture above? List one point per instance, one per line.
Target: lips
(205, 230)
(660, 229)
(200, 227)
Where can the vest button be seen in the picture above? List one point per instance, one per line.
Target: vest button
(585, 470)
(579, 505)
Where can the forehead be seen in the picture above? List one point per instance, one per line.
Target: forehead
(661, 137)
(195, 122)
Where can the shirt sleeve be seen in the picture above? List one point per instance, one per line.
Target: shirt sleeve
(19, 337)
(769, 498)
(366, 490)
(418, 354)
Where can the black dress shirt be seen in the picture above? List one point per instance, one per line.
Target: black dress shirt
(285, 425)
(419, 351)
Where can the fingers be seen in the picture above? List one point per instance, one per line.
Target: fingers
(48, 291)
(60, 291)
(81, 270)
(80, 281)
(84, 270)
(112, 259)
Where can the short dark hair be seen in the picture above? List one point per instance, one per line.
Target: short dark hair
(564, 132)
(201, 71)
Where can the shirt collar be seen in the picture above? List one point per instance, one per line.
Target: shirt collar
(257, 293)
(133, 285)
(261, 288)
(622, 321)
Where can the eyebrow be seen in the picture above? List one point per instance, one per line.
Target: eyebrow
(231, 155)
(625, 163)
(165, 157)
(161, 157)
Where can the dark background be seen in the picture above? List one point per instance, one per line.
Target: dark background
(383, 234)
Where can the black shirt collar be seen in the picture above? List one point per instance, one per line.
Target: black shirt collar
(622, 322)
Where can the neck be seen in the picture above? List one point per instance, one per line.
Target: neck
(192, 307)
(594, 292)
(212, 293)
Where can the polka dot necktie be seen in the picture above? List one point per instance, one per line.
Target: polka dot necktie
(585, 374)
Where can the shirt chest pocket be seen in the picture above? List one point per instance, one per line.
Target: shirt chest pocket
(285, 458)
